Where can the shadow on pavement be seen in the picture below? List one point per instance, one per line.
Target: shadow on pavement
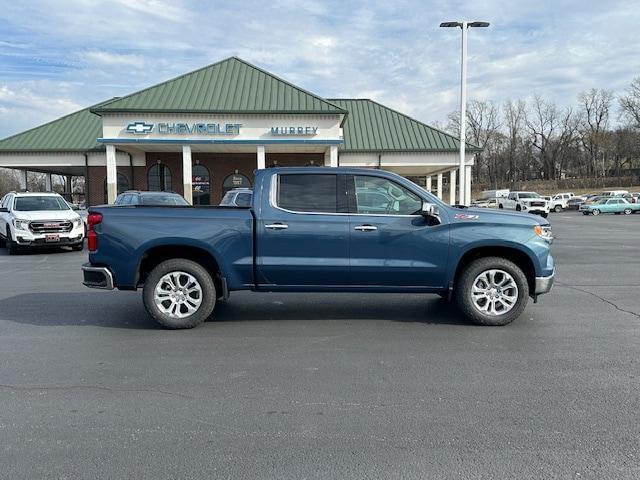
(125, 309)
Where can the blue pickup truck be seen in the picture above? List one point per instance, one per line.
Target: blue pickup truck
(316, 229)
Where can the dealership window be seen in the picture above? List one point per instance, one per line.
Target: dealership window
(123, 185)
(235, 180)
(200, 183)
(308, 193)
(159, 178)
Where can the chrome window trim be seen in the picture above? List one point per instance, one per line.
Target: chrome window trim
(275, 184)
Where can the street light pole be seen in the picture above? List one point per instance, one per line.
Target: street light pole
(463, 117)
(463, 104)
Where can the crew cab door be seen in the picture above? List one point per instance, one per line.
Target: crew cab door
(392, 243)
(302, 232)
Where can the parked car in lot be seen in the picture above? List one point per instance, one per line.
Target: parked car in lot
(31, 220)
(574, 202)
(613, 193)
(630, 197)
(139, 197)
(528, 202)
(237, 197)
(488, 203)
(307, 230)
(610, 205)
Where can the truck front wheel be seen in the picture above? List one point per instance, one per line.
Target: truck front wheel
(179, 293)
(492, 291)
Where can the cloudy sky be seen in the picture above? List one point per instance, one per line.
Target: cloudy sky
(60, 56)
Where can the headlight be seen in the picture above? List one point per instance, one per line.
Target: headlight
(77, 222)
(543, 232)
(21, 224)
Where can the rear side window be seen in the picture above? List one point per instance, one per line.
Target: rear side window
(243, 200)
(308, 192)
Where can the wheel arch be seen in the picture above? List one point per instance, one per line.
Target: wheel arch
(158, 253)
(516, 255)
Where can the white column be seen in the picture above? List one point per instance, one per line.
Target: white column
(439, 193)
(187, 175)
(47, 182)
(261, 157)
(23, 180)
(333, 156)
(429, 183)
(452, 187)
(112, 174)
(467, 187)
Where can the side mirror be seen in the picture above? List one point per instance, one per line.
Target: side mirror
(429, 209)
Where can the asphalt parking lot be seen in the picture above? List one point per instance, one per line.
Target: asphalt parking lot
(326, 386)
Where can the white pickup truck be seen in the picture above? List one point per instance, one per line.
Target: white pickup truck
(29, 220)
(559, 201)
(528, 202)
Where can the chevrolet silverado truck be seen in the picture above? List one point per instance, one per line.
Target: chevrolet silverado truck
(316, 229)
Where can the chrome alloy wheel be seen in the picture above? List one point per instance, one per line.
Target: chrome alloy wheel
(494, 292)
(178, 294)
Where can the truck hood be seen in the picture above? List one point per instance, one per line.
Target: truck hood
(504, 217)
(46, 215)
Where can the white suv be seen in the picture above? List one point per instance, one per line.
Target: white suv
(39, 220)
(529, 202)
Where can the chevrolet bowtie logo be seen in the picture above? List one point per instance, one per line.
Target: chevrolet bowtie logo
(139, 127)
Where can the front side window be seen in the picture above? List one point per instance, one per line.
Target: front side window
(36, 203)
(380, 196)
(308, 192)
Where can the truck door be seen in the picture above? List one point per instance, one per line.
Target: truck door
(392, 244)
(302, 235)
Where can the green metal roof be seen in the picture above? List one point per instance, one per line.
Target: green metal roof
(371, 127)
(229, 86)
(77, 131)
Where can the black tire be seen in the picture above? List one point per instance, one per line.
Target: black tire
(11, 246)
(585, 213)
(518, 208)
(595, 211)
(203, 278)
(464, 285)
(500, 205)
(557, 208)
(627, 211)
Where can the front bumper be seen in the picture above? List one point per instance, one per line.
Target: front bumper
(27, 238)
(544, 284)
(97, 277)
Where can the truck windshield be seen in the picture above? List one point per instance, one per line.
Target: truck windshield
(528, 195)
(34, 203)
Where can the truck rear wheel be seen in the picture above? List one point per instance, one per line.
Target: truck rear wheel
(492, 291)
(179, 293)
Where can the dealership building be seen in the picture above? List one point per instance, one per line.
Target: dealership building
(207, 131)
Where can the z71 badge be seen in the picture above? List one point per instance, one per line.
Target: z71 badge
(466, 216)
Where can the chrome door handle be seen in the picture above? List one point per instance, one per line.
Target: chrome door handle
(365, 228)
(276, 226)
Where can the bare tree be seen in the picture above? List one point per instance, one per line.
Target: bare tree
(630, 103)
(514, 116)
(483, 130)
(8, 180)
(552, 132)
(595, 106)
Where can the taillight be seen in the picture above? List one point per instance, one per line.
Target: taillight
(93, 219)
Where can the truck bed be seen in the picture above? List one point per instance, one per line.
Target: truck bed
(126, 233)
